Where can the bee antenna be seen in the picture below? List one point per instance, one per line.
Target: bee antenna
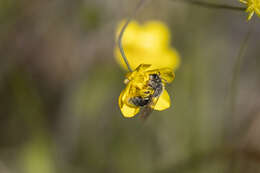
(122, 33)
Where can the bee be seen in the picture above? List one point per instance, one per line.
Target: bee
(147, 103)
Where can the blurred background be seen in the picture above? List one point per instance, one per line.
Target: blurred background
(59, 85)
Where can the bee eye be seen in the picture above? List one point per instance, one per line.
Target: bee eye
(154, 76)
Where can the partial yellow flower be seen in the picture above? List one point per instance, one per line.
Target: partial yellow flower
(253, 6)
(147, 44)
(145, 86)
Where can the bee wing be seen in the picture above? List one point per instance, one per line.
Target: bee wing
(145, 112)
(148, 109)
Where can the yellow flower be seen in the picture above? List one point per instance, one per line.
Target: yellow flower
(253, 6)
(145, 86)
(147, 44)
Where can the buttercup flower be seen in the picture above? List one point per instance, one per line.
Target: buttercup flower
(147, 44)
(253, 6)
(145, 86)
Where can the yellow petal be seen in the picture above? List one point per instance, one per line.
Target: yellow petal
(130, 33)
(250, 15)
(257, 11)
(147, 44)
(123, 95)
(128, 111)
(172, 59)
(164, 101)
(165, 58)
(243, 1)
(167, 74)
(143, 67)
(120, 101)
(155, 36)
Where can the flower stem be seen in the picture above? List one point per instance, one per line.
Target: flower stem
(211, 5)
(236, 71)
(121, 47)
(122, 33)
(233, 86)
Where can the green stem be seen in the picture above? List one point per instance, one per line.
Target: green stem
(211, 5)
(121, 47)
(236, 71)
(122, 33)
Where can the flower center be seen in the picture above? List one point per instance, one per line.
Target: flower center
(153, 88)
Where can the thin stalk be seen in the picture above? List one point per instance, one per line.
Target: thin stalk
(211, 5)
(122, 33)
(236, 71)
(232, 95)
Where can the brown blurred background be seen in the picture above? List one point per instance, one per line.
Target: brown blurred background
(59, 84)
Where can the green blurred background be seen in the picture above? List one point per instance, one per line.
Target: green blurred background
(59, 85)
